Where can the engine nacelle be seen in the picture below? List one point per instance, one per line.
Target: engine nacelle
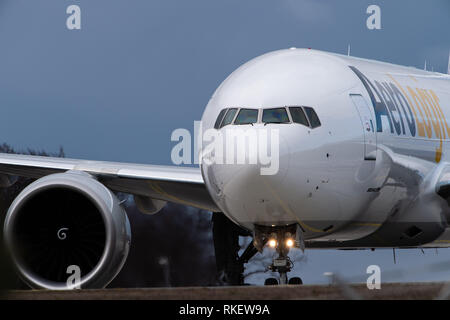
(64, 223)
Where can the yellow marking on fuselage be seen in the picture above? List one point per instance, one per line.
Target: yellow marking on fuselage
(432, 116)
(436, 121)
(438, 112)
(435, 100)
(426, 120)
(420, 125)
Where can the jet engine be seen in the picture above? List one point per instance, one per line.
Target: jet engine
(67, 230)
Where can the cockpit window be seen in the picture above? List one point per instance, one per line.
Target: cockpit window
(276, 115)
(229, 117)
(302, 115)
(298, 116)
(247, 116)
(313, 118)
(219, 118)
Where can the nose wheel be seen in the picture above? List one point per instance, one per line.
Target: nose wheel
(274, 281)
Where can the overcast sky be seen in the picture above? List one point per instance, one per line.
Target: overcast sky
(138, 69)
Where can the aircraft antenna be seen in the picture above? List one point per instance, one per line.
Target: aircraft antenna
(348, 54)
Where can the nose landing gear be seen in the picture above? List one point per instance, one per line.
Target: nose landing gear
(282, 239)
(230, 266)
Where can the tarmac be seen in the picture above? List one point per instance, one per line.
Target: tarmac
(388, 291)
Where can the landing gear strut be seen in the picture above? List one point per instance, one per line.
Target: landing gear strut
(282, 264)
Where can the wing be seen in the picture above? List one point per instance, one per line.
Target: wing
(174, 184)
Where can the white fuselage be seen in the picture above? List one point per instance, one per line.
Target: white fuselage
(367, 172)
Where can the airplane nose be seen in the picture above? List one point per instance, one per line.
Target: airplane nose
(247, 192)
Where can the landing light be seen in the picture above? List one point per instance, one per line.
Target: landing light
(289, 243)
(272, 243)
